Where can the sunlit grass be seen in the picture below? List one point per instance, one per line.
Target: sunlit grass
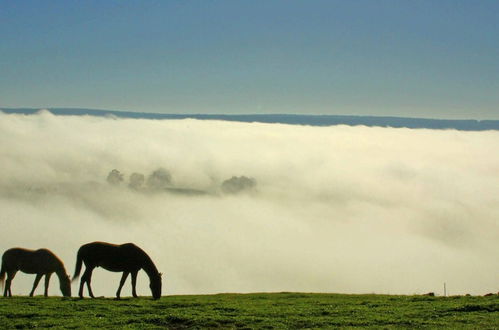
(253, 311)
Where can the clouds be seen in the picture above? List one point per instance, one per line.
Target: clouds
(338, 209)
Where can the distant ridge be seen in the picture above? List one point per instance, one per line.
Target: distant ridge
(312, 120)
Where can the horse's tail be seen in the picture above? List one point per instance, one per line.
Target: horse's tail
(79, 261)
(2, 275)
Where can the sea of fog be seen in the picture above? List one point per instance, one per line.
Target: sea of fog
(327, 209)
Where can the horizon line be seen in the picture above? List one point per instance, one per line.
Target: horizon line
(198, 114)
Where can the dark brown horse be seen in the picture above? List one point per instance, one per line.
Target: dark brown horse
(127, 258)
(40, 262)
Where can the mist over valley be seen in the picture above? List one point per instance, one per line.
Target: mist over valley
(225, 206)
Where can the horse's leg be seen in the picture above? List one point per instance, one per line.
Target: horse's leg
(86, 279)
(80, 291)
(89, 280)
(8, 282)
(122, 281)
(134, 283)
(35, 284)
(7, 286)
(47, 280)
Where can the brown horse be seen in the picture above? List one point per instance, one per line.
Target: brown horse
(40, 262)
(127, 258)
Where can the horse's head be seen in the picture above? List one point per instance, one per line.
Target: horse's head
(65, 283)
(155, 286)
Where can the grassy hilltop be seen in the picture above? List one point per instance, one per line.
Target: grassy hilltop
(253, 311)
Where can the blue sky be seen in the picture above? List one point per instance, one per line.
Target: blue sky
(437, 59)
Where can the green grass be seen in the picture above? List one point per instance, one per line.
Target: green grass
(253, 311)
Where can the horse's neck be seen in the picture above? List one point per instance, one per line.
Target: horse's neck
(61, 272)
(149, 267)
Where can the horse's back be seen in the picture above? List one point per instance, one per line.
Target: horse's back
(17, 250)
(99, 246)
(96, 247)
(16, 253)
(31, 261)
(113, 257)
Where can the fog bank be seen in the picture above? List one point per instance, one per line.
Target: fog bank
(325, 209)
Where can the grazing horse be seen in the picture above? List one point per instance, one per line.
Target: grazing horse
(40, 262)
(127, 258)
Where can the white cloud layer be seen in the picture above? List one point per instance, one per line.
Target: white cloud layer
(335, 209)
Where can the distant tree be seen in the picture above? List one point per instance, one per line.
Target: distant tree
(159, 179)
(115, 177)
(136, 181)
(237, 184)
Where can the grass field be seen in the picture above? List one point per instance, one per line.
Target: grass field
(253, 311)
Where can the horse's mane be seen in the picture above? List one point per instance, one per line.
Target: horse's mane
(149, 266)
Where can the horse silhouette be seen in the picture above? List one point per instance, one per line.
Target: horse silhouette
(127, 258)
(40, 262)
